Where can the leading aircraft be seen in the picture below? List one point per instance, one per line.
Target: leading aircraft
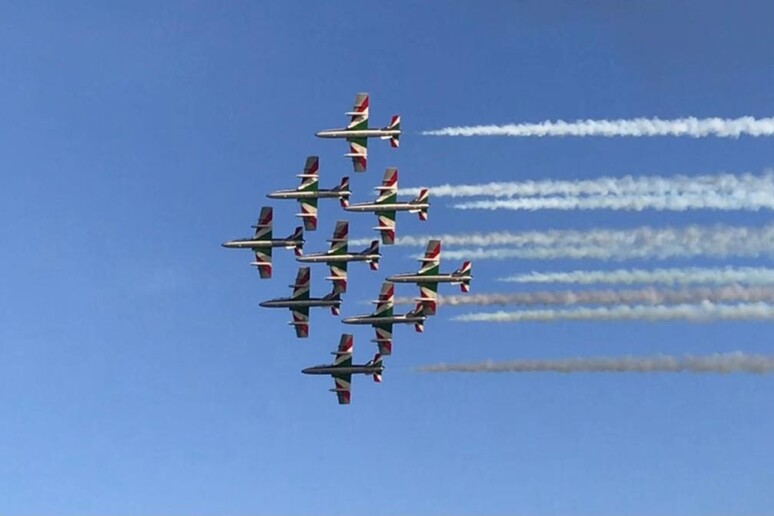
(262, 243)
(428, 277)
(338, 256)
(357, 132)
(299, 302)
(342, 369)
(387, 204)
(383, 318)
(308, 192)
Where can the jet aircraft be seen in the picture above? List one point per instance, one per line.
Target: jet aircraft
(357, 132)
(386, 205)
(342, 369)
(338, 256)
(262, 242)
(428, 277)
(299, 302)
(308, 193)
(382, 318)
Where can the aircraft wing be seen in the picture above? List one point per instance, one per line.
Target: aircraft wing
(384, 338)
(308, 213)
(263, 226)
(338, 276)
(388, 190)
(386, 226)
(358, 151)
(301, 286)
(342, 386)
(386, 300)
(263, 261)
(428, 296)
(301, 321)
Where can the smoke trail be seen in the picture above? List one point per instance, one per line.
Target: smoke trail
(702, 312)
(637, 127)
(748, 201)
(645, 296)
(628, 185)
(723, 363)
(685, 276)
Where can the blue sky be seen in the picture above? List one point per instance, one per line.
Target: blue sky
(137, 372)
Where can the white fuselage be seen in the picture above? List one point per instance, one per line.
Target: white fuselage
(389, 319)
(337, 258)
(353, 369)
(437, 278)
(249, 243)
(316, 194)
(358, 133)
(286, 302)
(396, 206)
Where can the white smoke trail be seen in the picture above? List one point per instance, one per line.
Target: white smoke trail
(747, 201)
(702, 312)
(637, 127)
(722, 183)
(723, 363)
(676, 276)
(645, 296)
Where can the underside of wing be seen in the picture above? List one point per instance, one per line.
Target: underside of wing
(263, 262)
(338, 276)
(386, 226)
(384, 338)
(308, 213)
(301, 321)
(342, 386)
(358, 151)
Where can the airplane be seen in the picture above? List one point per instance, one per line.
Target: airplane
(357, 132)
(299, 302)
(386, 205)
(383, 318)
(262, 243)
(308, 192)
(342, 369)
(338, 256)
(428, 277)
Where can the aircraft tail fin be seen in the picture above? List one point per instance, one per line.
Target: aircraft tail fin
(334, 295)
(373, 249)
(343, 186)
(297, 237)
(377, 362)
(465, 270)
(394, 125)
(422, 198)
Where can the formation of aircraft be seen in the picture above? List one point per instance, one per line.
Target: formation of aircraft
(386, 205)
(299, 302)
(383, 318)
(342, 369)
(428, 277)
(308, 193)
(338, 256)
(262, 242)
(357, 132)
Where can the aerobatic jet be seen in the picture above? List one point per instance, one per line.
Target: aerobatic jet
(387, 204)
(342, 369)
(383, 318)
(262, 242)
(308, 193)
(338, 256)
(357, 132)
(428, 277)
(299, 302)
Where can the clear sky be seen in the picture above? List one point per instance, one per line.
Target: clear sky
(138, 374)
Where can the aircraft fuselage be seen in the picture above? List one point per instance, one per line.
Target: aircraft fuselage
(357, 133)
(353, 369)
(316, 194)
(286, 302)
(396, 206)
(337, 258)
(249, 243)
(437, 278)
(392, 319)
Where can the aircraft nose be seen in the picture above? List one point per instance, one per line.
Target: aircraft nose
(305, 370)
(264, 304)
